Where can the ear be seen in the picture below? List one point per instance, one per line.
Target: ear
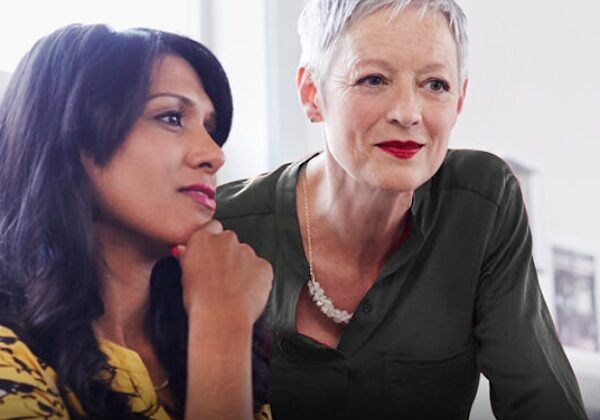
(463, 94)
(91, 168)
(307, 91)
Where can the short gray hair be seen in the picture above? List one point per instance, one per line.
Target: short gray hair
(323, 22)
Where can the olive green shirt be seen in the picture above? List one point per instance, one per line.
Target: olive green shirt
(460, 296)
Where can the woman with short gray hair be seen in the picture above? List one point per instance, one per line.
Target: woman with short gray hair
(402, 269)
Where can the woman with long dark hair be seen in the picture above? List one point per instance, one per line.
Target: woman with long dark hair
(109, 146)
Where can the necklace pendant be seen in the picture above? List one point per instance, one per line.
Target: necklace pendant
(339, 316)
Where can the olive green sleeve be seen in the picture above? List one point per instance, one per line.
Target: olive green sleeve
(518, 348)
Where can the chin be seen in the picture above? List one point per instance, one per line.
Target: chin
(400, 182)
(180, 238)
(182, 235)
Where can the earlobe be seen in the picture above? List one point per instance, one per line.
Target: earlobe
(307, 91)
(89, 165)
(463, 95)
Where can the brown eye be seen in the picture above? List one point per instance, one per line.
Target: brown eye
(172, 118)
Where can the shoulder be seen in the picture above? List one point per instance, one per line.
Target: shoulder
(27, 385)
(481, 173)
(248, 197)
(13, 349)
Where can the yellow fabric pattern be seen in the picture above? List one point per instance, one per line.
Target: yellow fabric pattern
(28, 385)
(264, 413)
(132, 378)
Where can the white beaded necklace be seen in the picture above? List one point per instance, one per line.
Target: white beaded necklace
(317, 293)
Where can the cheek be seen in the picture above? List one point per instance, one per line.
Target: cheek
(133, 185)
(350, 121)
(120, 198)
(440, 123)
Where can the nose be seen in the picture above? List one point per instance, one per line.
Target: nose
(205, 153)
(405, 108)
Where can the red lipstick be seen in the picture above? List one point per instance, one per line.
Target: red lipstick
(400, 149)
(202, 194)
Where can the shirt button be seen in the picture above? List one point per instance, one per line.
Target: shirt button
(283, 344)
(367, 307)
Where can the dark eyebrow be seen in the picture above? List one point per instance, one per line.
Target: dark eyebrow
(186, 101)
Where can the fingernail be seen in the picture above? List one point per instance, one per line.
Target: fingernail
(175, 251)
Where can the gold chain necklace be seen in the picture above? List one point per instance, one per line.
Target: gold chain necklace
(317, 293)
(163, 385)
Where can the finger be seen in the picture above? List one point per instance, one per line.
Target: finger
(177, 251)
(214, 226)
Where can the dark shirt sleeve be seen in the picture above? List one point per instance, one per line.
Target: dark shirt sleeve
(518, 348)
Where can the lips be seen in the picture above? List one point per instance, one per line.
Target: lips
(202, 194)
(400, 149)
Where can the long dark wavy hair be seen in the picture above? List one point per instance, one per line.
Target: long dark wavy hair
(79, 90)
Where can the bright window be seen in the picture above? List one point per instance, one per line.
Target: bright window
(25, 21)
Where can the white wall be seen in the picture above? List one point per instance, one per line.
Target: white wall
(239, 40)
(23, 22)
(4, 76)
(259, 49)
(534, 93)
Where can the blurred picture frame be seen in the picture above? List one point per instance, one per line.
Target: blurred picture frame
(576, 313)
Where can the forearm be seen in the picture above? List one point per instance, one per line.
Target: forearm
(219, 369)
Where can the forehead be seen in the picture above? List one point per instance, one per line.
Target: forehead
(173, 74)
(410, 36)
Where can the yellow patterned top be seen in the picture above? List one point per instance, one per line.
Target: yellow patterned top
(28, 385)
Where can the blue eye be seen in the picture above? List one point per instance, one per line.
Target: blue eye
(437, 85)
(373, 80)
(172, 118)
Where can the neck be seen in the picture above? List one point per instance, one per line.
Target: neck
(126, 288)
(376, 217)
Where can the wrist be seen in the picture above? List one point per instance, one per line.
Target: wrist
(222, 323)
